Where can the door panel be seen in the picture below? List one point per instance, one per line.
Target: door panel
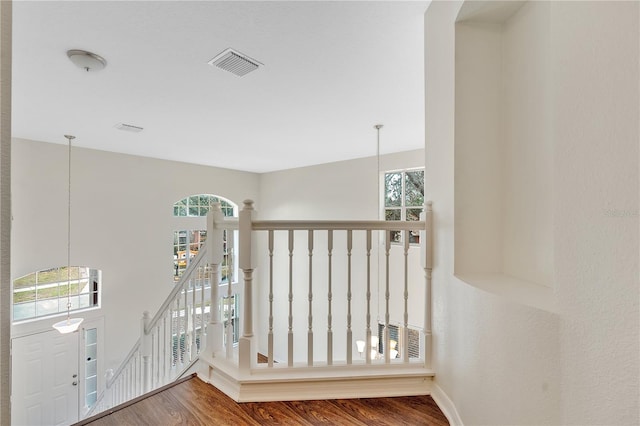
(43, 369)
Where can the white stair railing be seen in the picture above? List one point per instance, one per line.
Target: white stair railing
(172, 340)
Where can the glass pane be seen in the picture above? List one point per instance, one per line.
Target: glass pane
(396, 236)
(23, 311)
(194, 200)
(194, 211)
(84, 300)
(392, 214)
(91, 336)
(413, 214)
(392, 189)
(204, 211)
(90, 352)
(414, 188)
(91, 368)
(204, 200)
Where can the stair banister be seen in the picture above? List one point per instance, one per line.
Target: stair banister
(247, 264)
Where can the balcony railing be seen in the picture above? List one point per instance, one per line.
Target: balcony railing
(341, 297)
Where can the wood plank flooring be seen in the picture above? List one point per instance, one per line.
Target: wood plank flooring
(193, 402)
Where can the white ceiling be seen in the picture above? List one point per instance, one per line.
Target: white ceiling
(332, 70)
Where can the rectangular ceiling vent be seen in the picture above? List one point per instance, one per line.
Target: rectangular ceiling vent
(235, 62)
(128, 128)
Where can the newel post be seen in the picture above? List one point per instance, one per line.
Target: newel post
(426, 256)
(247, 355)
(145, 343)
(215, 252)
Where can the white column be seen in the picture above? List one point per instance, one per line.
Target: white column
(247, 354)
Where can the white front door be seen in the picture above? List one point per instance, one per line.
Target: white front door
(44, 379)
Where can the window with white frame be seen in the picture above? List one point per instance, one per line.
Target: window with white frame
(187, 242)
(404, 199)
(47, 292)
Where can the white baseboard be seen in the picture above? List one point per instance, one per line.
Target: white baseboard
(446, 405)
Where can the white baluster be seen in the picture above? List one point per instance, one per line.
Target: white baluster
(270, 336)
(426, 244)
(230, 308)
(405, 330)
(290, 332)
(387, 248)
(194, 313)
(215, 251)
(187, 325)
(349, 332)
(329, 297)
(310, 318)
(146, 353)
(203, 319)
(247, 354)
(368, 339)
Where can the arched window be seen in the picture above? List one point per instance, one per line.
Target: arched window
(44, 293)
(188, 240)
(198, 206)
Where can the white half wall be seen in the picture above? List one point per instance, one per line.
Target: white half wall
(122, 223)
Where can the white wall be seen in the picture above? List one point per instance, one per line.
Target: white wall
(122, 223)
(346, 190)
(595, 208)
(502, 362)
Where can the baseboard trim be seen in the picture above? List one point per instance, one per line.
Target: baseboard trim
(446, 405)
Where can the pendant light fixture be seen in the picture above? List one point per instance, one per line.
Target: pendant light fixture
(69, 325)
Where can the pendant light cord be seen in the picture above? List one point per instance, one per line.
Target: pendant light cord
(69, 137)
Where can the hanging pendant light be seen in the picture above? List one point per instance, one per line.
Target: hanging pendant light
(69, 325)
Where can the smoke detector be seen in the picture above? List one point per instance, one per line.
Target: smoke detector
(235, 62)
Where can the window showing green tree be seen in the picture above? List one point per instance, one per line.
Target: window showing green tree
(404, 199)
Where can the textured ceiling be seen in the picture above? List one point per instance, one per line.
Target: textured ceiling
(331, 71)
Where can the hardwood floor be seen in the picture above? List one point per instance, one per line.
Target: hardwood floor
(194, 402)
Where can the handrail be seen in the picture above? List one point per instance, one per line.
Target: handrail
(184, 279)
(338, 225)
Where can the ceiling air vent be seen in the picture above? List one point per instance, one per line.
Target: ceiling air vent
(235, 62)
(128, 128)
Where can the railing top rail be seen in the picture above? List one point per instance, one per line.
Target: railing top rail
(184, 279)
(340, 225)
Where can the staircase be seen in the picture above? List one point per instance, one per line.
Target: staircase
(336, 319)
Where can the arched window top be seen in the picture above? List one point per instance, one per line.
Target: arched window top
(198, 205)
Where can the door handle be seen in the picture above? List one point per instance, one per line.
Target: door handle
(75, 383)
(74, 376)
